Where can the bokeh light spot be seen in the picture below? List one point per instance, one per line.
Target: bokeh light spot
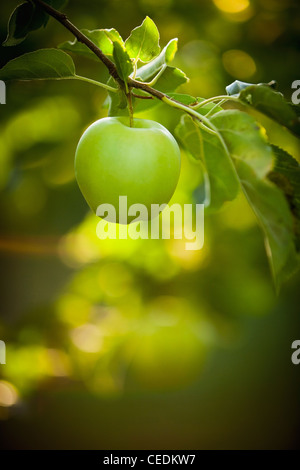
(232, 6)
(87, 338)
(239, 64)
(8, 394)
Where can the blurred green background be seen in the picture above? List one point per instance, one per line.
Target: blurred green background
(142, 344)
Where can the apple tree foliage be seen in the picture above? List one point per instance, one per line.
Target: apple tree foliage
(231, 145)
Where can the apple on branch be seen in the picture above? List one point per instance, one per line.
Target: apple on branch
(141, 162)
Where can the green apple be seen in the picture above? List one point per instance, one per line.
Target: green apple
(113, 159)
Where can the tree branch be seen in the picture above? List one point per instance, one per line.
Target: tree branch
(63, 19)
(132, 83)
(112, 69)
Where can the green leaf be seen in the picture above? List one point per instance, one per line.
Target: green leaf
(25, 18)
(286, 175)
(19, 24)
(143, 42)
(253, 158)
(171, 79)
(236, 87)
(150, 70)
(117, 102)
(275, 218)
(122, 61)
(41, 64)
(245, 140)
(273, 105)
(202, 193)
(102, 38)
(114, 36)
(220, 170)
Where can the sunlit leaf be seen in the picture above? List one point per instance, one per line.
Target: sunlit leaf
(170, 78)
(143, 42)
(122, 61)
(150, 70)
(102, 38)
(41, 64)
(114, 36)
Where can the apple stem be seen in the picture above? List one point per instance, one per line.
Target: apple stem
(130, 108)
